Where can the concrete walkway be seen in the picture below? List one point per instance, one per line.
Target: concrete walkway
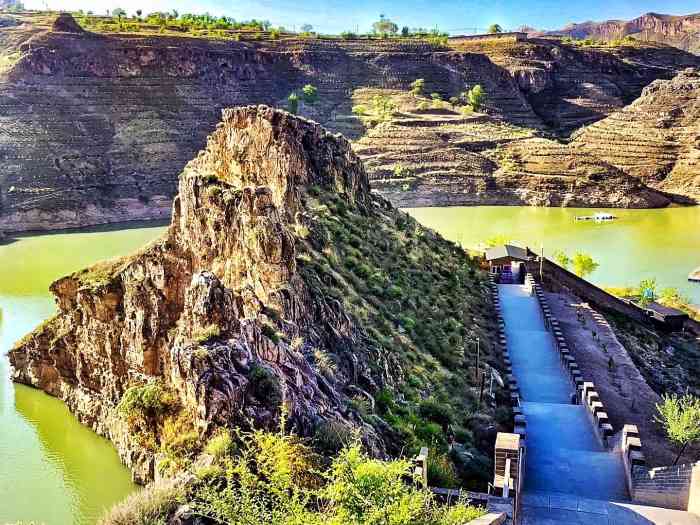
(569, 477)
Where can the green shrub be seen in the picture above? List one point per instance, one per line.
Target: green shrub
(437, 412)
(149, 400)
(151, 505)
(293, 103)
(330, 437)
(309, 93)
(208, 333)
(417, 86)
(441, 471)
(220, 444)
(265, 385)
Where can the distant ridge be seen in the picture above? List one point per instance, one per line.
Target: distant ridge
(681, 31)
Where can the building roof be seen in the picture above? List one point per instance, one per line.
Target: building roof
(665, 311)
(507, 250)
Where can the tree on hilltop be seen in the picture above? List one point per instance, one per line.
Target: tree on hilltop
(384, 26)
(118, 13)
(307, 28)
(495, 29)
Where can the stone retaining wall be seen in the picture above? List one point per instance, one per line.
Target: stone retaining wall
(675, 487)
(556, 278)
(513, 36)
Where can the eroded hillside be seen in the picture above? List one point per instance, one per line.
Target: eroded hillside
(93, 127)
(282, 279)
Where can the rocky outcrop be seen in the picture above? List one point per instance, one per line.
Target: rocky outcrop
(237, 309)
(678, 31)
(656, 139)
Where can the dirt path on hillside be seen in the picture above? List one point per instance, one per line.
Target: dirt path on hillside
(604, 361)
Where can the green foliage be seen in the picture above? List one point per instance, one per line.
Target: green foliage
(384, 27)
(476, 97)
(437, 412)
(293, 103)
(562, 259)
(417, 86)
(383, 107)
(151, 505)
(416, 296)
(360, 110)
(265, 385)
(680, 418)
(220, 444)
(441, 471)
(400, 171)
(150, 400)
(310, 94)
(348, 35)
(583, 264)
(208, 333)
(331, 437)
(647, 292)
(271, 480)
(495, 28)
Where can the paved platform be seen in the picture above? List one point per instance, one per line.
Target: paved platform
(555, 509)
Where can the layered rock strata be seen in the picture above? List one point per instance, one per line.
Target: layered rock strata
(93, 127)
(681, 31)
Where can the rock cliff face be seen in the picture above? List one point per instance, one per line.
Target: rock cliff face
(281, 279)
(682, 32)
(656, 139)
(93, 127)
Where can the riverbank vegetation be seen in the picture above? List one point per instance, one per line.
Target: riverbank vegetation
(264, 477)
(647, 291)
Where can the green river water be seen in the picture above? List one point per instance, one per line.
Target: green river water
(662, 244)
(54, 471)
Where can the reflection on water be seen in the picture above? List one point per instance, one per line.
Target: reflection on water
(54, 470)
(640, 244)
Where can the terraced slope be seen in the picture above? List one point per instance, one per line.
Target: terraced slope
(570, 86)
(439, 156)
(655, 139)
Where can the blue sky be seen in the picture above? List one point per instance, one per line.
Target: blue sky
(334, 16)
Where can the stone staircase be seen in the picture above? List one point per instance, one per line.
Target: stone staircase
(569, 475)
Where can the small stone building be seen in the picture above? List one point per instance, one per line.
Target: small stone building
(508, 261)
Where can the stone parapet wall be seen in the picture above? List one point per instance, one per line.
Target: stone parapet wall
(668, 487)
(586, 393)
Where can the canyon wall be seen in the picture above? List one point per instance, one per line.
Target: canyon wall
(682, 31)
(93, 127)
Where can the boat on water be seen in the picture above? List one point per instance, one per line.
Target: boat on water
(694, 276)
(597, 217)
